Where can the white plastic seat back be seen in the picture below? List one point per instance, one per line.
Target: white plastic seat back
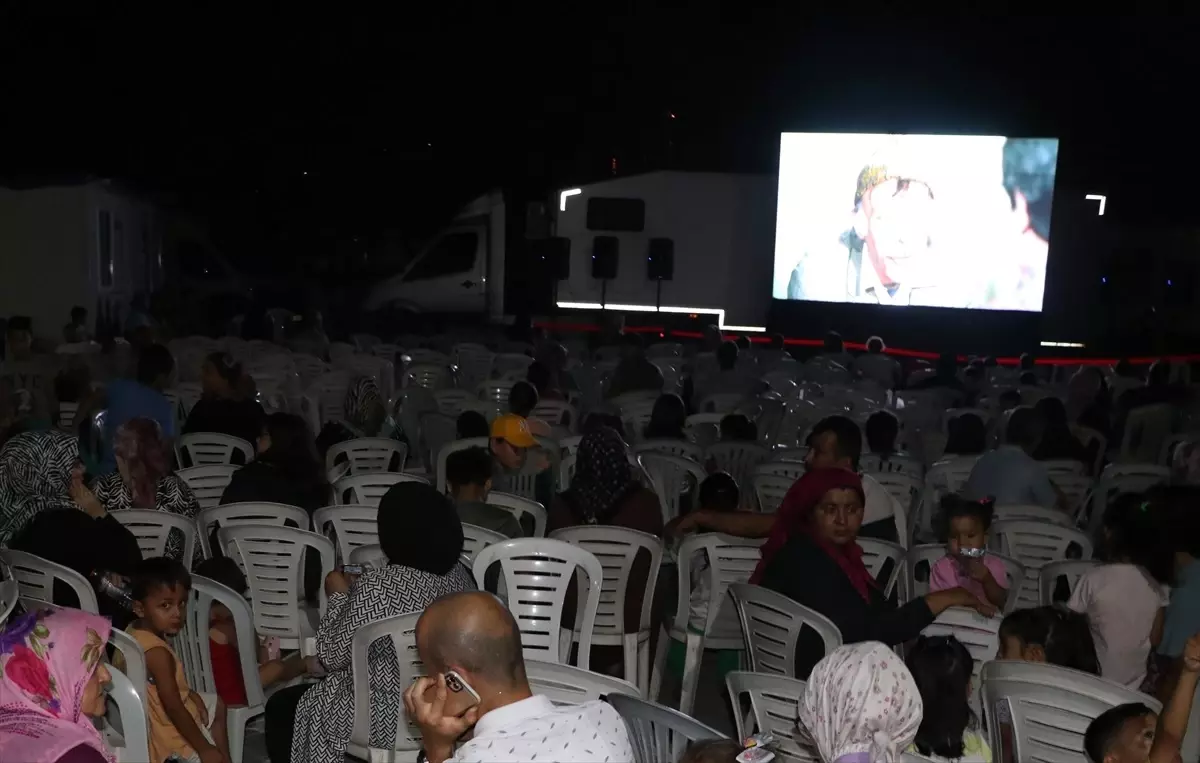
(133, 717)
(1032, 512)
(369, 489)
(152, 528)
(370, 557)
(495, 391)
(681, 448)
(1076, 487)
(774, 706)
(474, 363)
(658, 734)
(885, 561)
(1146, 429)
(35, 578)
(368, 454)
(1117, 479)
(537, 572)
(1064, 466)
(569, 685)
(450, 402)
(401, 630)
(1036, 544)
(874, 464)
(730, 560)
(10, 593)
(351, 526)
(560, 415)
(771, 625)
(792, 468)
(272, 559)
(670, 477)
(475, 539)
(527, 511)
(246, 513)
(945, 476)
(739, 459)
(905, 490)
(979, 634)
(769, 491)
(133, 659)
(1069, 569)
(207, 483)
(704, 429)
(1050, 707)
(212, 449)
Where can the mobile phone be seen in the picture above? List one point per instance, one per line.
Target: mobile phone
(352, 569)
(461, 697)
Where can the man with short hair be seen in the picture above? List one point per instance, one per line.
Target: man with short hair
(76, 331)
(474, 636)
(1009, 474)
(875, 366)
(469, 478)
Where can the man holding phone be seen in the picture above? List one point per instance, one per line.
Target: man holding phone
(471, 646)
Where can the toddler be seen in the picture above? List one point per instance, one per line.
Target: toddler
(965, 526)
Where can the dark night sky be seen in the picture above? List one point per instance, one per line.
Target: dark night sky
(225, 110)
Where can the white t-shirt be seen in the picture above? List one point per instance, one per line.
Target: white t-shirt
(1121, 601)
(879, 504)
(534, 729)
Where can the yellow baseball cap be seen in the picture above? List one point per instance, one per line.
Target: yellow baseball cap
(514, 430)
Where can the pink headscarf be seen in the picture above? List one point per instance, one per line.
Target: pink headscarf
(45, 661)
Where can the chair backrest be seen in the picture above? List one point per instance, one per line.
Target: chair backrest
(352, 526)
(134, 719)
(904, 490)
(475, 539)
(875, 465)
(152, 528)
(670, 477)
(681, 448)
(35, 578)
(1075, 487)
(558, 414)
(730, 560)
(1050, 707)
(658, 734)
(368, 454)
(740, 460)
(1146, 428)
(208, 483)
(876, 555)
(770, 489)
(1035, 544)
(771, 625)
(1055, 467)
(616, 548)
(521, 507)
(945, 476)
(569, 685)
(133, 658)
(979, 634)
(369, 489)
(774, 705)
(371, 557)
(191, 644)
(401, 630)
(246, 513)
(792, 468)
(1116, 479)
(10, 593)
(1030, 511)
(211, 449)
(272, 559)
(1070, 569)
(537, 572)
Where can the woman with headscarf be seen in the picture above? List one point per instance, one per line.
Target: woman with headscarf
(812, 556)
(861, 705)
(52, 679)
(144, 480)
(604, 489)
(422, 539)
(286, 469)
(226, 406)
(667, 419)
(46, 510)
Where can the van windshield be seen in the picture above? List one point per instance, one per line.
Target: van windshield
(452, 254)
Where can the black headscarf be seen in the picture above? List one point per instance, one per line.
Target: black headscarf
(603, 476)
(419, 528)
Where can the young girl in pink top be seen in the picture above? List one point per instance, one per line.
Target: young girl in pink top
(966, 526)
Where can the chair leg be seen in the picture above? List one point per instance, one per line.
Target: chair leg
(691, 672)
(630, 649)
(660, 664)
(643, 666)
(236, 728)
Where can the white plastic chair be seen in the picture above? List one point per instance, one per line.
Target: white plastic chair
(740, 460)
(779, 466)
(475, 539)
(774, 706)
(352, 526)
(704, 429)
(133, 718)
(658, 734)
(770, 490)
(876, 554)
(246, 513)
(272, 559)
(945, 476)
(370, 557)
(730, 560)
(401, 630)
(569, 685)
(1035, 544)
(560, 415)
(369, 489)
(211, 449)
(1146, 429)
(771, 624)
(1114, 480)
(923, 556)
(192, 646)
(616, 548)
(10, 593)
(670, 477)
(367, 455)
(905, 490)
(874, 465)
(208, 483)
(1064, 466)
(521, 507)
(1076, 487)
(152, 528)
(680, 448)
(1032, 512)
(979, 634)
(35, 578)
(1050, 707)
(1071, 569)
(537, 572)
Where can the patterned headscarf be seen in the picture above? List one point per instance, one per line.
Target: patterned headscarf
(35, 475)
(46, 659)
(861, 699)
(603, 475)
(362, 395)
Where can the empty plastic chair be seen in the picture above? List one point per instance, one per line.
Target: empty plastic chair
(368, 455)
(771, 625)
(658, 734)
(152, 528)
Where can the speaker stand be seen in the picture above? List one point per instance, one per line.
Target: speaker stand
(603, 293)
(657, 294)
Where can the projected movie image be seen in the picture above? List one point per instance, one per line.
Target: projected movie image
(928, 220)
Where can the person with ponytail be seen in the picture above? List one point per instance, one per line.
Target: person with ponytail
(144, 479)
(228, 405)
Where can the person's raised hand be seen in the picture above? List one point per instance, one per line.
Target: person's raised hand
(1191, 654)
(86, 499)
(337, 582)
(428, 710)
(978, 571)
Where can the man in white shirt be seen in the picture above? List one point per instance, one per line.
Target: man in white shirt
(1009, 474)
(476, 637)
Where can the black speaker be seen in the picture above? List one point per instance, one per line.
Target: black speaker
(660, 262)
(553, 257)
(604, 257)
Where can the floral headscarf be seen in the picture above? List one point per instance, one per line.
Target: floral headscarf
(603, 475)
(46, 659)
(861, 699)
(35, 475)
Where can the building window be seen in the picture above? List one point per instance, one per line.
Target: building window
(104, 246)
(452, 254)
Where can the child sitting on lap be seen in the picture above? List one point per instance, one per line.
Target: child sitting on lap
(965, 526)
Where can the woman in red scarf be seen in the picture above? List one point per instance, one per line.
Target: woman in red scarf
(812, 556)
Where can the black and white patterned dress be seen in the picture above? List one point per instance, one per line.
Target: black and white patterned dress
(171, 494)
(325, 714)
